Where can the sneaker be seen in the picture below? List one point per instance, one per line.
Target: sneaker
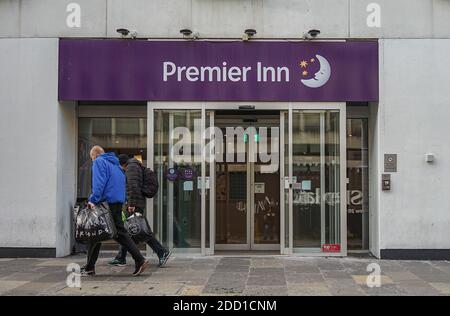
(165, 257)
(117, 263)
(140, 267)
(87, 272)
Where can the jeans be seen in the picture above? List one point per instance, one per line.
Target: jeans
(151, 241)
(122, 238)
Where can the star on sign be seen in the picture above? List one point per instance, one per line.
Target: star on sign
(305, 73)
(312, 60)
(303, 64)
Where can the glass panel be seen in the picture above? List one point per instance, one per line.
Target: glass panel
(358, 186)
(231, 203)
(286, 175)
(177, 147)
(332, 179)
(267, 190)
(267, 207)
(306, 172)
(208, 179)
(316, 183)
(231, 194)
(118, 135)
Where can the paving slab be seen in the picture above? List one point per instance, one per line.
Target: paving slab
(223, 290)
(266, 271)
(385, 290)
(6, 286)
(267, 263)
(95, 288)
(30, 289)
(268, 280)
(189, 290)
(442, 287)
(444, 268)
(229, 276)
(336, 274)
(23, 276)
(166, 288)
(60, 263)
(435, 277)
(402, 276)
(419, 288)
(302, 268)
(304, 278)
(265, 291)
(362, 280)
(309, 289)
(330, 265)
(339, 287)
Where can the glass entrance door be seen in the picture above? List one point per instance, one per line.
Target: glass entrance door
(231, 206)
(266, 208)
(316, 166)
(247, 186)
(251, 195)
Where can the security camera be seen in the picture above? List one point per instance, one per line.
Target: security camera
(312, 34)
(186, 32)
(248, 33)
(123, 32)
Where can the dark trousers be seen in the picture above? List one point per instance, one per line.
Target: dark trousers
(151, 241)
(122, 238)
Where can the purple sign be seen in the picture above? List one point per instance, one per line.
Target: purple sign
(140, 70)
(172, 174)
(188, 174)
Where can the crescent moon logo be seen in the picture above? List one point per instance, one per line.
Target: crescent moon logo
(321, 77)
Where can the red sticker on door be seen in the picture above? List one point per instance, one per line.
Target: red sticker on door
(331, 248)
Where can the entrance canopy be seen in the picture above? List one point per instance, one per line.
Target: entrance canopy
(141, 70)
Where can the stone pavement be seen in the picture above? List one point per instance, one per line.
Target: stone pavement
(222, 275)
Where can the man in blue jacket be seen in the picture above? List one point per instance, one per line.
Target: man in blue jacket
(108, 185)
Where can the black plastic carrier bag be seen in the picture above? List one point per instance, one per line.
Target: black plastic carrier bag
(93, 225)
(138, 227)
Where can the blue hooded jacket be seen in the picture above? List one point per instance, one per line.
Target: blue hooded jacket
(108, 180)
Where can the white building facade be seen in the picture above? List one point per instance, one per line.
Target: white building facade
(362, 161)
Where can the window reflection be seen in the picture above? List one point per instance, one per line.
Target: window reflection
(177, 207)
(316, 178)
(358, 187)
(118, 135)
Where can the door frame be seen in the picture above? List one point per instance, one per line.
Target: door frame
(286, 107)
(250, 219)
(250, 202)
(341, 107)
(251, 189)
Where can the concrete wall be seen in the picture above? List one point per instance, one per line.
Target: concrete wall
(374, 176)
(38, 152)
(28, 138)
(415, 116)
(66, 176)
(226, 19)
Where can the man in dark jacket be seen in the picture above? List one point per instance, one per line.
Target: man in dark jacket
(136, 203)
(108, 185)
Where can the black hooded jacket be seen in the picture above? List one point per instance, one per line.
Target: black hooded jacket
(133, 171)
